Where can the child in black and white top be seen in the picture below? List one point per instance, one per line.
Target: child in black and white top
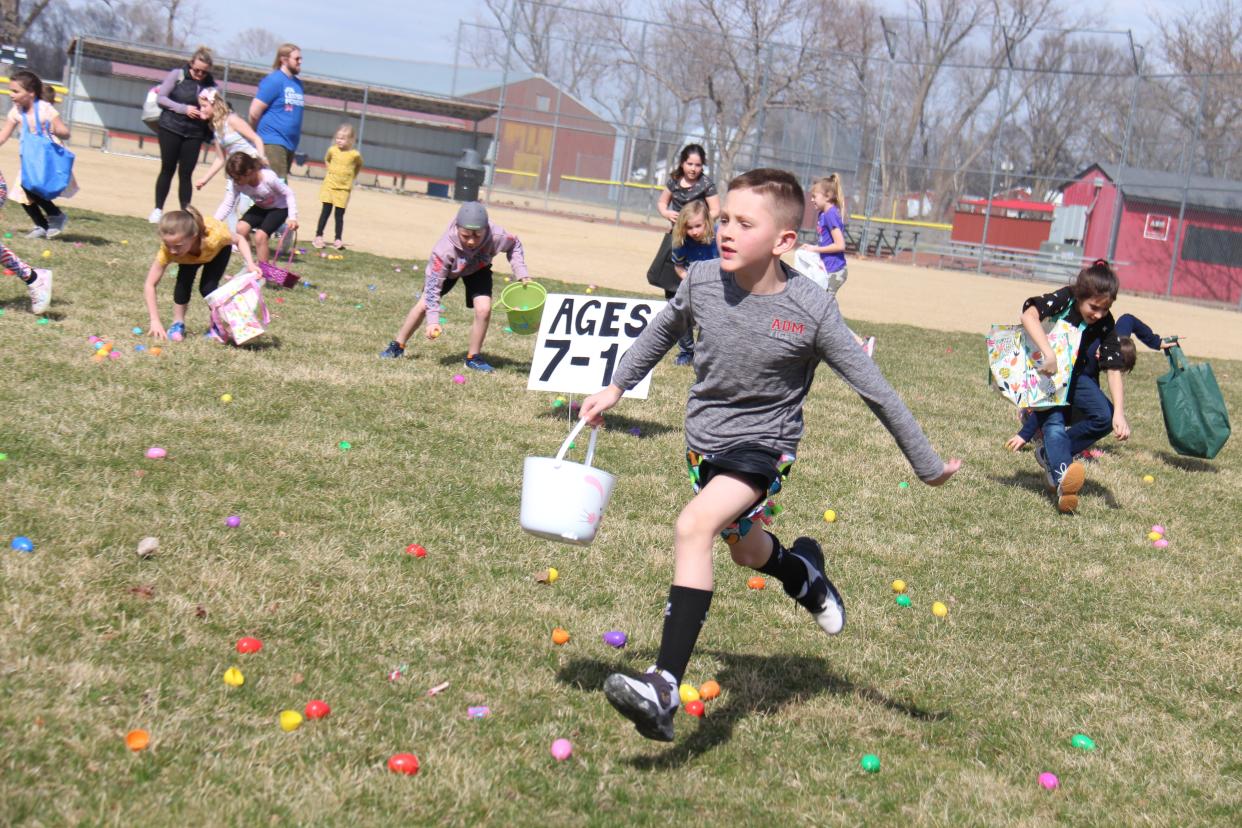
(274, 204)
(764, 329)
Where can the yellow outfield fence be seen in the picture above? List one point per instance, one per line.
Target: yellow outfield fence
(633, 184)
(903, 222)
(518, 172)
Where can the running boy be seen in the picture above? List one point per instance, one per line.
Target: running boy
(464, 253)
(764, 330)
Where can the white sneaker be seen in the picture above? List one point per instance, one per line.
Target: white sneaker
(154, 218)
(869, 347)
(56, 225)
(37, 233)
(40, 290)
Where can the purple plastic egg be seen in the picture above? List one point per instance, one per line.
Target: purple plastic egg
(232, 521)
(615, 638)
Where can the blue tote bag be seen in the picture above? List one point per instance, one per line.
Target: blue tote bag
(46, 165)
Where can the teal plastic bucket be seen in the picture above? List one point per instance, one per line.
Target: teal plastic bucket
(523, 303)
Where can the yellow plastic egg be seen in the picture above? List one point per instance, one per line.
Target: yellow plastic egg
(1154, 536)
(290, 720)
(830, 516)
(688, 693)
(47, 254)
(552, 574)
(899, 586)
(939, 610)
(1147, 478)
(226, 398)
(233, 677)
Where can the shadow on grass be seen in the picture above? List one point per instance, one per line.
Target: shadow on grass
(495, 360)
(22, 304)
(266, 343)
(615, 423)
(756, 684)
(89, 241)
(1190, 464)
(1034, 481)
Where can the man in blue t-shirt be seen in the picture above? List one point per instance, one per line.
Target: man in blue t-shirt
(276, 111)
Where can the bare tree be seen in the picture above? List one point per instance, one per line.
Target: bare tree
(16, 21)
(255, 43)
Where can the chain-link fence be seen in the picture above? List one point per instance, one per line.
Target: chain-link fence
(1021, 151)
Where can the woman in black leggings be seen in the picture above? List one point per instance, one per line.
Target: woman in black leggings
(183, 128)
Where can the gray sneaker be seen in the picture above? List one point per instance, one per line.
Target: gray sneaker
(649, 701)
(37, 233)
(40, 290)
(56, 225)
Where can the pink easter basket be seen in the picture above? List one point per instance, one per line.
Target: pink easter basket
(238, 312)
(279, 276)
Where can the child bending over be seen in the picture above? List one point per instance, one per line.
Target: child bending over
(273, 206)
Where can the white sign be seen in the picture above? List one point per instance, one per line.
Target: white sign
(581, 340)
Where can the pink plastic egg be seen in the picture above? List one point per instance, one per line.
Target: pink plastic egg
(156, 453)
(1158, 529)
(1160, 544)
(1049, 781)
(459, 379)
(562, 749)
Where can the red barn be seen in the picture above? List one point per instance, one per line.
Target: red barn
(1203, 251)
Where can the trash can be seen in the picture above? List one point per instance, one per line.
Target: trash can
(470, 172)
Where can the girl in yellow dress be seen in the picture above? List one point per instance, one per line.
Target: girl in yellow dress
(343, 164)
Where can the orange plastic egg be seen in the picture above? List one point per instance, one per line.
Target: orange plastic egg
(559, 636)
(137, 740)
(709, 689)
(756, 582)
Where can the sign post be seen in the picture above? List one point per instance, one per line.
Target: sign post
(581, 341)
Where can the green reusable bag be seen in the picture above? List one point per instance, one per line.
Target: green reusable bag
(1194, 409)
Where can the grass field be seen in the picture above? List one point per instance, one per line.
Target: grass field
(1056, 625)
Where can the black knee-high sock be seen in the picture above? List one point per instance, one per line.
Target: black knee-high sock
(791, 572)
(683, 618)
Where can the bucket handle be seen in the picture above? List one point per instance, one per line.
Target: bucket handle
(560, 455)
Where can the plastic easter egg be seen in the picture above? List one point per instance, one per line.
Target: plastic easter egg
(140, 348)
(939, 610)
(406, 763)
(317, 709)
(903, 600)
(561, 749)
(709, 690)
(870, 763)
(157, 350)
(615, 638)
(344, 445)
(290, 720)
(137, 740)
(124, 241)
(416, 550)
(1161, 544)
(1147, 478)
(43, 320)
(695, 708)
(93, 339)
(248, 645)
(1049, 781)
(233, 677)
(899, 586)
(756, 582)
(553, 574)
(1154, 536)
(459, 379)
(232, 521)
(155, 452)
(114, 355)
(323, 296)
(688, 693)
(1158, 529)
(21, 543)
(480, 712)
(1082, 741)
(226, 398)
(903, 485)
(137, 331)
(47, 254)
(830, 516)
(98, 344)
(3, 457)
(559, 636)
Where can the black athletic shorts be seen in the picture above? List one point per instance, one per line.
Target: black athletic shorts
(268, 221)
(478, 283)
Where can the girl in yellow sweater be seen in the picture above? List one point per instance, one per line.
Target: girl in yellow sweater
(343, 164)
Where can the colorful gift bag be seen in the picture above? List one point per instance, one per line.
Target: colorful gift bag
(238, 311)
(1013, 364)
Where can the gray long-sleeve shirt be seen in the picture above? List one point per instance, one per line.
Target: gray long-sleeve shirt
(755, 361)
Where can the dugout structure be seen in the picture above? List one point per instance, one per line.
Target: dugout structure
(1175, 234)
(413, 138)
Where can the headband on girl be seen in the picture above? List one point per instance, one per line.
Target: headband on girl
(210, 94)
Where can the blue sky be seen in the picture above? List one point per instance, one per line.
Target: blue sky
(423, 30)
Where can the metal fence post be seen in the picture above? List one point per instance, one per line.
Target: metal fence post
(556, 120)
(1135, 52)
(500, 104)
(1000, 118)
(362, 120)
(1188, 164)
(75, 73)
(877, 152)
(456, 60)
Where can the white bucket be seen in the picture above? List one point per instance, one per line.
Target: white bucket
(562, 500)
